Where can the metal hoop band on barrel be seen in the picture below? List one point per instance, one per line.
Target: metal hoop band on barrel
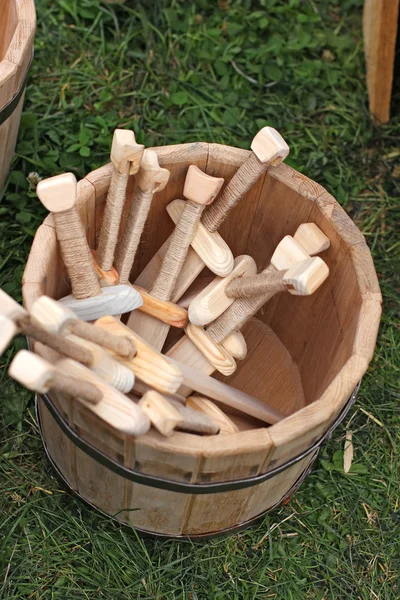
(9, 108)
(178, 486)
(199, 537)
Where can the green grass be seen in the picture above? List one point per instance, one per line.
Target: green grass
(176, 72)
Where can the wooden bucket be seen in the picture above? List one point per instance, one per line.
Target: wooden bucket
(17, 31)
(306, 357)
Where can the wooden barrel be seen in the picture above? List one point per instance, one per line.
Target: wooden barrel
(306, 357)
(17, 31)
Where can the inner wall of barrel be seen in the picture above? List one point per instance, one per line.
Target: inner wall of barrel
(319, 330)
(8, 23)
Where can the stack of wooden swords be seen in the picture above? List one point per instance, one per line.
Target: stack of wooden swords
(118, 371)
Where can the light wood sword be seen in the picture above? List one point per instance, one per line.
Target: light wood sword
(88, 300)
(200, 190)
(268, 149)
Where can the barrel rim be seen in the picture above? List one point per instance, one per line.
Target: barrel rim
(21, 44)
(312, 418)
(10, 107)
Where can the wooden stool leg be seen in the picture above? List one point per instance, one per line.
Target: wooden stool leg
(380, 31)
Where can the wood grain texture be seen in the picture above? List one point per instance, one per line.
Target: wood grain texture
(216, 355)
(31, 292)
(38, 375)
(44, 265)
(167, 312)
(148, 365)
(210, 247)
(150, 328)
(162, 414)
(176, 161)
(112, 371)
(150, 178)
(59, 195)
(306, 277)
(225, 161)
(17, 29)
(228, 395)
(91, 481)
(55, 318)
(85, 203)
(306, 426)
(112, 300)
(305, 355)
(25, 10)
(126, 155)
(278, 382)
(159, 226)
(207, 341)
(236, 345)
(287, 253)
(206, 406)
(59, 446)
(184, 350)
(212, 301)
(380, 32)
(8, 23)
(311, 238)
(195, 421)
(115, 408)
(274, 490)
(197, 286)
(8, 129)
(200, 189)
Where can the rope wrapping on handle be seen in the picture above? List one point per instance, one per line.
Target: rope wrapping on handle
(58, 343)
(242, 310)
(127, 247)
(76, 254)
(76, 388)
(180, 241)
(248, 287)
(111, 220)
(243, 180)
(123, 346)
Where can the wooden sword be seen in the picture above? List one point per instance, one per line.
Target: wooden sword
(199, 348)
(74, 379)
(88, 300)
(200, 190)
(126, 155)
(268, 149)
